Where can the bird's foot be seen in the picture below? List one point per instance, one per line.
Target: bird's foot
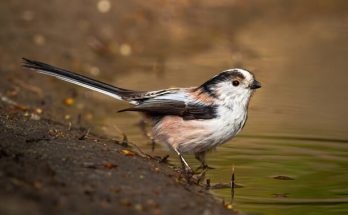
(188, 173)
(197, 178)
(193, 177)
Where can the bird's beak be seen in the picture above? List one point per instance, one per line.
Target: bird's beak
(255, 85)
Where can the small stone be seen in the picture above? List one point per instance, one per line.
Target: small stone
(38, 110)
(34, 116)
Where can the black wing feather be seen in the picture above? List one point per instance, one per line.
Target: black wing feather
(161, 107)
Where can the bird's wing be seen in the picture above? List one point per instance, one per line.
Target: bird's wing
(175, 104)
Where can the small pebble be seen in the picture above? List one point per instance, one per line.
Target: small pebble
(34, 116)
(38, 110)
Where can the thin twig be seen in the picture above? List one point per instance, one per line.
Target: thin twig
(207, 186)
(232, 184)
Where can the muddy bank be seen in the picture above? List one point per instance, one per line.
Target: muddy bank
(48, 168)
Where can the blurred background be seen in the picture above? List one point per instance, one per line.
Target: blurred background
(298, 121)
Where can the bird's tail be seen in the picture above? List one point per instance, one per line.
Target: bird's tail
(115, 92)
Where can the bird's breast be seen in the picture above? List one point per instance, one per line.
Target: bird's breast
(230, 121)
(199, 135)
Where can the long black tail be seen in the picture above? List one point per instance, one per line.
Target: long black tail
(115, 92)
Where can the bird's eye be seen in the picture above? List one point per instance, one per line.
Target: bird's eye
(235, 83)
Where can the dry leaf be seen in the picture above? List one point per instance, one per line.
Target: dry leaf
(109, 165)
(127, 152)
(69, 101)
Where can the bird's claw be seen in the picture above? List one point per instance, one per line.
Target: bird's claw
(193, 177)
(199, 177)
(188, 173)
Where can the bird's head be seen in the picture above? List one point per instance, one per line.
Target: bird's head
(232, 85)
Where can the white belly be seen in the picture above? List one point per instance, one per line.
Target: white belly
(195, 136)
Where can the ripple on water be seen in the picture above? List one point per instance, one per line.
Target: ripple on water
(318, 167)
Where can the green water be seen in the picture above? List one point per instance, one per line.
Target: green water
(319, 170)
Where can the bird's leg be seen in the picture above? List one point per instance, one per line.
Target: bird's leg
(201, 158)
(187, 169)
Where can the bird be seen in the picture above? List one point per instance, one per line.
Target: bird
(191, 120)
